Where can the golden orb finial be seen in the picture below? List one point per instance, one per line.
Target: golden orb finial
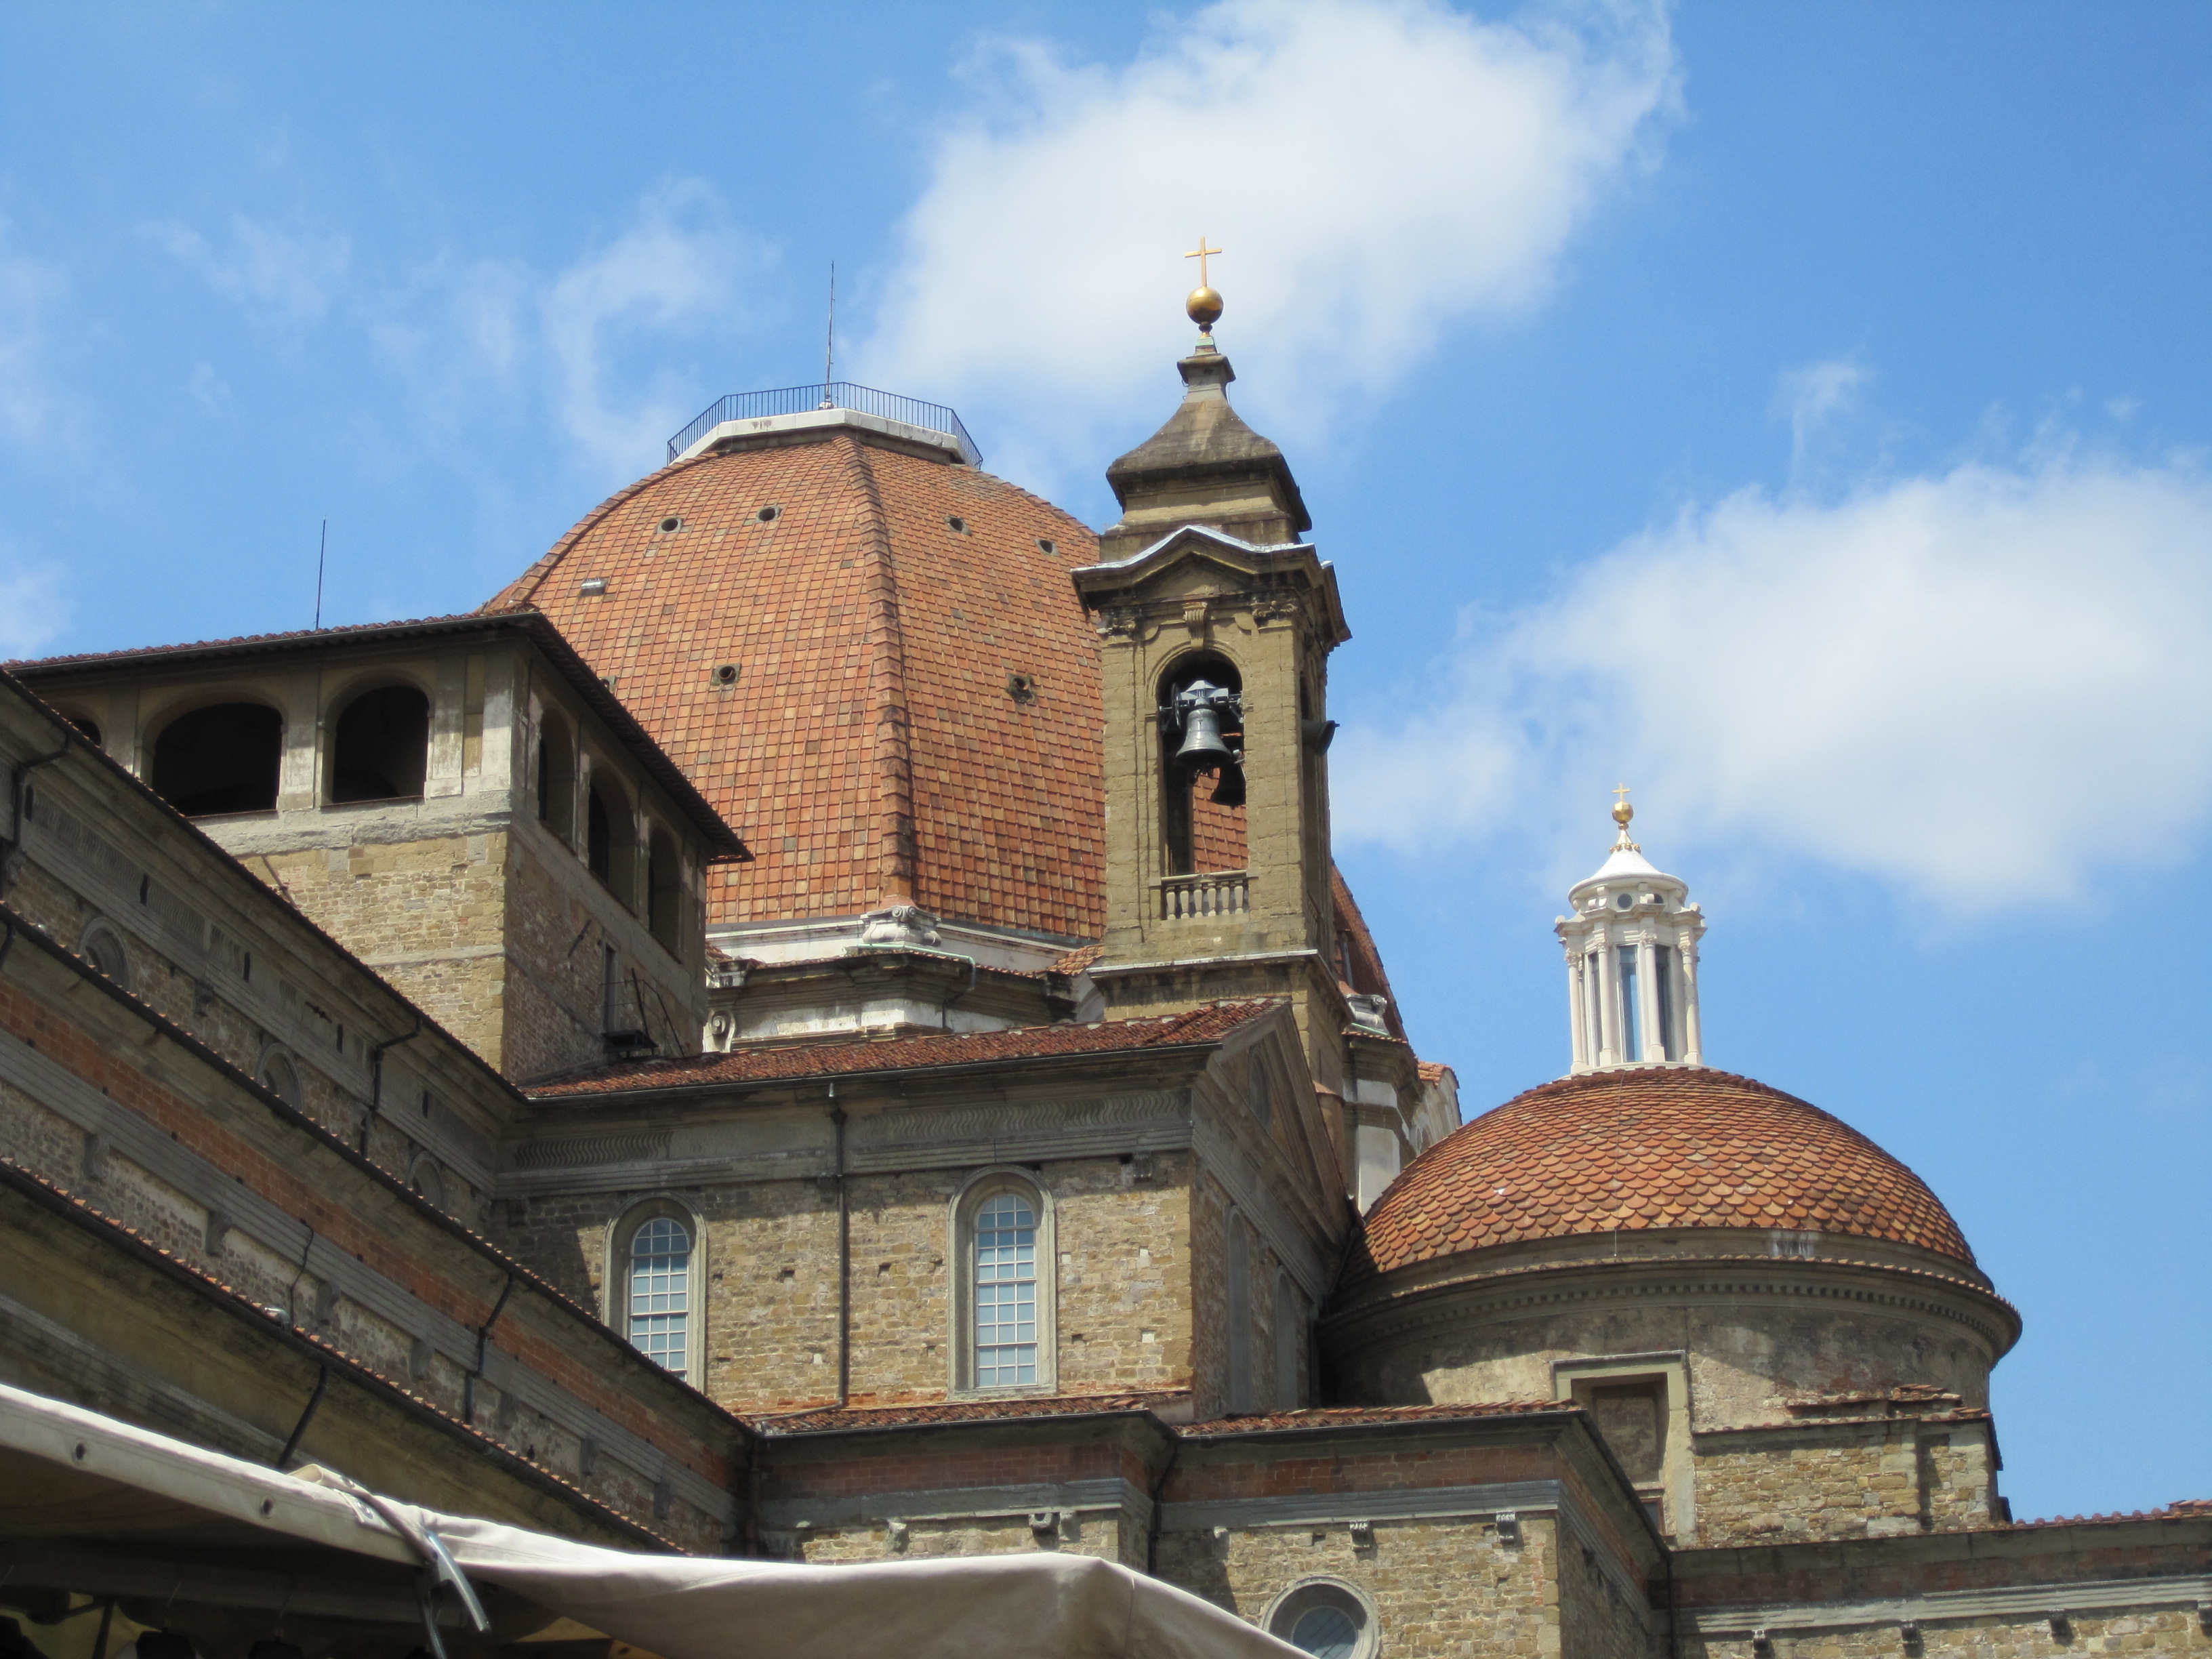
(1203, 305)
(1622, 812)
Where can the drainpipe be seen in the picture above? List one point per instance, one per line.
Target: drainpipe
(484, 1345)
(376, 1076)
(844, 1261)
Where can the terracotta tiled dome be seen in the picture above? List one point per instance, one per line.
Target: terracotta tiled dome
(875, 606)
(1651, 1150)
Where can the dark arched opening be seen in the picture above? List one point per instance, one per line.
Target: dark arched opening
(610, 842)
(1202, 765)
(556, 778)
(664, 882)
(223, 758)
(381, 748)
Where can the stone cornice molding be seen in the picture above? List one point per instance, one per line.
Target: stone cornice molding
(1379, 1316)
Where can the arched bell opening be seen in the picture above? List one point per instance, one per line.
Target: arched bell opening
(381, 748)
(222, 758)
(1202, 765)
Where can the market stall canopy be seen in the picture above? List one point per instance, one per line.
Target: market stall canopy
(90, 1506)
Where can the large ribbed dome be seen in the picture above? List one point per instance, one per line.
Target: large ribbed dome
(1651, 1149)
(915, 708)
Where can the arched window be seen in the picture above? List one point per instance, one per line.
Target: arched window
(279, 1075)
(1327, 1618)
(1003, 1301)
(656, 1292)
(220, 759)
(611, 841)
(380, 747)
(1239, 1272)
(556, 778)
(102, 947)
(427, 1180)
(1290, 1346)
(664, 882)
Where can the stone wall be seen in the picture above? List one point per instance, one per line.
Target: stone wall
(1437, 1586)
(1123, 1310)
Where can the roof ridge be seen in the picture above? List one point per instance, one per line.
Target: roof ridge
(892, 740)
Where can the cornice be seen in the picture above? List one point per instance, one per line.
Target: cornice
(1383, 1317)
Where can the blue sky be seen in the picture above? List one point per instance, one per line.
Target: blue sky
(1798, 412)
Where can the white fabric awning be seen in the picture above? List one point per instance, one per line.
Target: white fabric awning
(90, 1503)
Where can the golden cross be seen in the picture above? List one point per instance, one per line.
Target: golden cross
(1199, 254)
(1622, 791)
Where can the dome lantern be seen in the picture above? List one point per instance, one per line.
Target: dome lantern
(1632, 949)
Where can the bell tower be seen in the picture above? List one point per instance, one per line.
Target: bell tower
(1216, 623)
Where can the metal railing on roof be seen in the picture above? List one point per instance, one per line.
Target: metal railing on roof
(838, 394)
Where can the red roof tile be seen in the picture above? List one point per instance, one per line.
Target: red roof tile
(831, 1418)
(1352, 1417)
(1205, 1024)
(873, 747)
(1651, 1149)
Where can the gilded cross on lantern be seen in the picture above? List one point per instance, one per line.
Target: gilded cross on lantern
(1200, 253)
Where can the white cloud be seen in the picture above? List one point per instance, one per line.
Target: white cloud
(679, 266)
(33, 610)
(288, 274)
(1375, 169)
(1983, 687)
(1811, 399)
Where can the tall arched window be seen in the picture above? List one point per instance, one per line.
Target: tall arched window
(1004, 1303)
(1239, 1272)
(380, 746)
(1290, 1346)
(224, 758)
(611, 840)
(664, 884)
(557, 777)
(656, 1292)
(1006, 1291)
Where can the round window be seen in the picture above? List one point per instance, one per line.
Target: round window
(1622, 901)
(670, 524)
(1327, 1618)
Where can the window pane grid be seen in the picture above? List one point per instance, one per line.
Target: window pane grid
(660, 1293)
(1006, 1292)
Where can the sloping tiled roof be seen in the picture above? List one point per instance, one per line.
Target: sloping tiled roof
(873, 747)
(1206, 1024)
(1358, 951)
(1355, 1417)
(830, 1417)
(1643, 1150)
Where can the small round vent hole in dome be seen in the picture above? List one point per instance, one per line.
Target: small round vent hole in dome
(768, 514)
(1045, 545)
(726, 673)
(959, 525)
(670, 525)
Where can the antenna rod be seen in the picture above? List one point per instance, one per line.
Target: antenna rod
(830, 350)
(321, 552)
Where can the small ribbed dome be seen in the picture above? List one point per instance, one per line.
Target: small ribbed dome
(1647, 1149)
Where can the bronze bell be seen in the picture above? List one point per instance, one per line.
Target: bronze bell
(1230, 791)
(1202, 749)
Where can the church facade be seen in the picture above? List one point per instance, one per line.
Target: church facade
(822, 1022)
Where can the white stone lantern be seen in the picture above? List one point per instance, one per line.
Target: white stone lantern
(1631, 946)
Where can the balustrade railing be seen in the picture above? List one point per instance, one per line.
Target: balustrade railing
(1216, 893)
(838, 394)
